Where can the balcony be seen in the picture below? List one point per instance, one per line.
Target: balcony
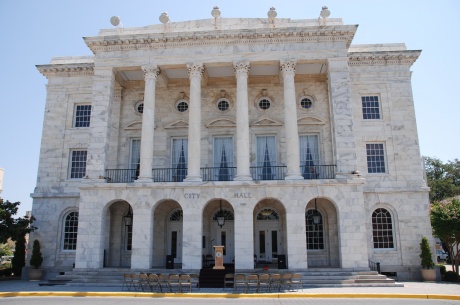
(221, 173)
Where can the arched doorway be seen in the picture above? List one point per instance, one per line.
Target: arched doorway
(322, 243)
(167, 233)
(214, 234)
(119, 233)
(269, 231)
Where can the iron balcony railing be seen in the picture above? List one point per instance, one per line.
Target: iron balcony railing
(220, 173)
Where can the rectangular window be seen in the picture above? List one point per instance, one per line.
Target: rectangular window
(179, 162)
(375, 158)
(371, 107)
(309, 156)
(266, 158)
(82, 115)
(134, 158)
(78, 164)
(223, 159)
(129, 238)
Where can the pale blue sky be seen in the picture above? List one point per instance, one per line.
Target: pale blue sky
(35, 31)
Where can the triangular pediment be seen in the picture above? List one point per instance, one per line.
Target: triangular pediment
(266, 121)
(177, 125)
(221, 122)
(135, 125)
(310, 120)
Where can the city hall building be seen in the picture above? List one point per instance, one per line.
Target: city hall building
(276, 138)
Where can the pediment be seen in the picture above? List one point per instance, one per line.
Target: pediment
(221, 122)
(266, 121)
(135, 125)
(179, 124)
(310, 120)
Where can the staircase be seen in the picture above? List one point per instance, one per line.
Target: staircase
(314, 277)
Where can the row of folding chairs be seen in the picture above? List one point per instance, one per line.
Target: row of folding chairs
(160, 282)
(265, 281)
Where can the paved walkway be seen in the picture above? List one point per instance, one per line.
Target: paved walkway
(422, 290)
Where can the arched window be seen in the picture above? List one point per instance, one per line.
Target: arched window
(382, 229)
(268, 214)
(176, 215)
(225, 213)
(314, 230)
(70, 231)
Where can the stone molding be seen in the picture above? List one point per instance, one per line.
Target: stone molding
(221, 122)
(255, 36)
(179, 124)
(265, 121)
(56, 70)
(310, 120)
(383, 58)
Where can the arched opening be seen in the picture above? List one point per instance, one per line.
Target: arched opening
(321, 242)
(214, 234)
(167, 234)
(269, 232)
(118, 241)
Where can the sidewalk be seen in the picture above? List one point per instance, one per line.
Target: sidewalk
(422, 290)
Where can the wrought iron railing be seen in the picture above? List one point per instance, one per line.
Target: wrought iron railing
(220, 173)
(318, 171)
(268, 172)
(374, 266)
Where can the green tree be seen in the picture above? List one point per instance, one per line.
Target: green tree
(445, 221)
(19, 258)
(443, 178)
(5, 250)
(16, 229)
(11, 227)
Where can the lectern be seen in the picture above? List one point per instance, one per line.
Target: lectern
(219, 257)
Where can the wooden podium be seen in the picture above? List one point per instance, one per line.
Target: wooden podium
(218, 257)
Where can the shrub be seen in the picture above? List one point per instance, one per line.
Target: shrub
(37, 259)
(425, 255)
(450, 276)
(442, 269)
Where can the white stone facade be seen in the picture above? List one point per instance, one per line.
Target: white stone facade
(240, 61)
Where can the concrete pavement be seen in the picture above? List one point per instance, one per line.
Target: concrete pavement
(418, 290)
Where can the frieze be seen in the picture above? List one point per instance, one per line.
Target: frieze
(383, 58)
(66, 70)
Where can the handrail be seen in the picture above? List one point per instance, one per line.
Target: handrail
(374, 266)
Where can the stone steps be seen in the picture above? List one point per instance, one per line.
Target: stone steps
(326, 277)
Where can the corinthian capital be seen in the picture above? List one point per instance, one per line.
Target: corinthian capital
(241, 67)
(150, 71)
(195, 70)
(287, 67)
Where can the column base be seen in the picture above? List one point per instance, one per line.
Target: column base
(193, 179)
(293, 177)
(143, 180)
(243, 178)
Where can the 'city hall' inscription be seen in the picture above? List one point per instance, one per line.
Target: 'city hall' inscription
(192, 195)
(242, 195)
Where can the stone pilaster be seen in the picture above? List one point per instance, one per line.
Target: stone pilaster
(242, 121)
(148, 124)
(342, 116)
(287, 68)
(192, 236)
(195, 72)
(142, 252)
(102, 102)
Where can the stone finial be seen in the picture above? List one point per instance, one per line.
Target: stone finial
(271, 16)
(164, 18)
(215, 12)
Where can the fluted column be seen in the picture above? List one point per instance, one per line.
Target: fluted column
(287, 68)
(242, 121)
(195, 72)
(148, 124)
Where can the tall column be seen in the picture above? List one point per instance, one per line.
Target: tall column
(342, 116)
(148, 124)
(287, 68)
(242, 121)
(195, 72)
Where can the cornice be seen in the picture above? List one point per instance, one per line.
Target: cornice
(62, 70)
(402, 57)
(231, 37)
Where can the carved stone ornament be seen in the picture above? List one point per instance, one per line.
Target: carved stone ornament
(195, 70)
(241, 68)
(288, 67)
(151, 71)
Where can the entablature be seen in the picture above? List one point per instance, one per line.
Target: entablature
(62, 70)
(402, 57)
